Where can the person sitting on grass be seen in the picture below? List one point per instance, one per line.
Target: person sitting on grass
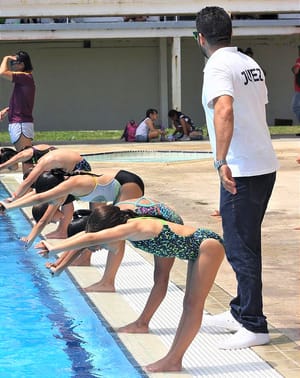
(202, 248)
(182, 123)
(146, 130)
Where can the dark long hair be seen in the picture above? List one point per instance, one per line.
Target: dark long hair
(78, 224)
(38, 211)
(61, 172)
(108, 216)
(6, 153)
(23, 57)
(47, 181)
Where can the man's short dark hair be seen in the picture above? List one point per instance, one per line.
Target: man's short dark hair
(214, 23)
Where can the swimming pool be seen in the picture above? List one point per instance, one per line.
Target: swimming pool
(48, 327)
(147, 156)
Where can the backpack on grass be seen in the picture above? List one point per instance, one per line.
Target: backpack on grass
(129, 131)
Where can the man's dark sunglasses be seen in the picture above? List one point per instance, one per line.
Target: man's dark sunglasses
(195, 35)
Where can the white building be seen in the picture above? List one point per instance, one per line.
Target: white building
(95, 71)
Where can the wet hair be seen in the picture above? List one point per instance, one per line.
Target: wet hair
(79, 222)
(214, 23)
(48, 180)
(23, 57)
(151, 111)
(108, 216)
(38, 211)
(172, 113)
(6, 153)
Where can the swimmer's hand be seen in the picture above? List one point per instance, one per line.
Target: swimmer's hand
(26, 241)
(44, 248)
(55, 272)
(11, 199)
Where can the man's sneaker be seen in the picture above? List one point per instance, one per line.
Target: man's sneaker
(244, 338)
(185, 137)
(224, 320)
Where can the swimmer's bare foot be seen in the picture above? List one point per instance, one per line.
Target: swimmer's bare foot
(134, 327)
(56, 235)
(216, 213)
(163, 365)
(100, 287)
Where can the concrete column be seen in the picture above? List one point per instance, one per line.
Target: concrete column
(163, 81)
(176, 73)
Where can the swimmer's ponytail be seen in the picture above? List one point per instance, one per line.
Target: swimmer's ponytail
(81, 173)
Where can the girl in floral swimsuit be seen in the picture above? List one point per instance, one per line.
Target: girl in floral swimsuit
(162, 266)
(202, 248)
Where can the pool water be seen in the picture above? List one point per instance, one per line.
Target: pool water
(47, 327)
(148, 156)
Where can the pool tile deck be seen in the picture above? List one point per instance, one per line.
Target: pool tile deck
(192, 188)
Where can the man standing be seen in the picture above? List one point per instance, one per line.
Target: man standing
(296, 97)
(234, 97)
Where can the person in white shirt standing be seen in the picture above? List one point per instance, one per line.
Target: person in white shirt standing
(234, 96)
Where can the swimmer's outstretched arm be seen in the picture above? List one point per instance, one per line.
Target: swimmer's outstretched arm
(20, 157)
(40, 225)
(55, 196)
(137, 229)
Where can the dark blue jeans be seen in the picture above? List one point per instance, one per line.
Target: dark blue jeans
(242, 216)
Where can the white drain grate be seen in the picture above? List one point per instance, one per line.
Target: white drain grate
(203, 358)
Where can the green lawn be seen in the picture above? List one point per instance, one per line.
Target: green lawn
(70, 136)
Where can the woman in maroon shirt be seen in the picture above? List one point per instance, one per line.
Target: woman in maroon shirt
(18, 69)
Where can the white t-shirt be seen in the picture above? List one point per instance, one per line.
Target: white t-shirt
(230, 72)
(142, 128)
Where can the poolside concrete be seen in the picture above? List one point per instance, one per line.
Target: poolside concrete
(192, 188)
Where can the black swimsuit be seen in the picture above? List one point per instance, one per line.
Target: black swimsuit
(125, 177)
(37, 154)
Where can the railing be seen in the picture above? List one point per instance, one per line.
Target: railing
(77, 8)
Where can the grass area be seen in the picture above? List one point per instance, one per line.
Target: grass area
(83, 135)
(284, 130)
(69, 135)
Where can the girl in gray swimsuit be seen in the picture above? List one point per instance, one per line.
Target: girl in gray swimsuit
(85, 186)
